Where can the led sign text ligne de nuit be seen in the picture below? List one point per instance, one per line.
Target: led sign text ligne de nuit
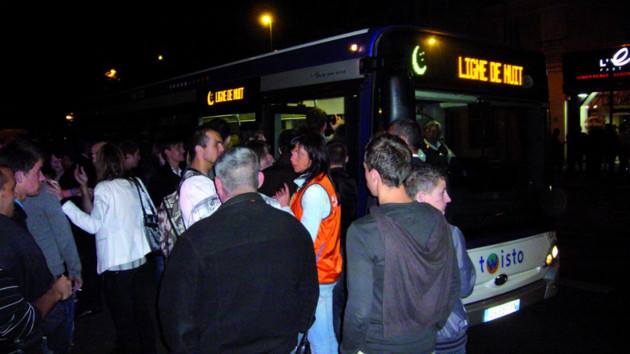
(489, 71)
(222, 96)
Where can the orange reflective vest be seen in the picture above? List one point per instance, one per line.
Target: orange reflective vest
(327, 244)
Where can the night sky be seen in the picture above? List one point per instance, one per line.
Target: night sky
(54, 55)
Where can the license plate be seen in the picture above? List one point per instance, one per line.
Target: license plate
(501, 310)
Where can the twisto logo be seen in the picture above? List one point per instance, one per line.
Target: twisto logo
(493, 262)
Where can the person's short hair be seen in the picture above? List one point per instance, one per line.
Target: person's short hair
(20, 155)
(4, 175)
(388, 154)
(250, 131)
(340, 132)
(337, 153)
(200, 138)
(259, 147)
(220, 126)
(422, 179)
(432, 123)
(407, 129)
(128, 147)
(286, 140)
(110, 163)
(238, 167)
(316, 119)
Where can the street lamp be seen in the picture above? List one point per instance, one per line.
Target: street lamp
(111, 74)
(267, 20)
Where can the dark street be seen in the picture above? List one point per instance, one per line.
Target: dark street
(594, 247)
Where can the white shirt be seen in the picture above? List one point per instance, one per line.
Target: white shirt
(274, 203)
(176, 170)
(117, 222)
(198, 199)
(315, 206)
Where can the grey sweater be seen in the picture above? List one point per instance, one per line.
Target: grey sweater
(51, 230)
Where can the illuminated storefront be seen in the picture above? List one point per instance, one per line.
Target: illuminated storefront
(597, 93)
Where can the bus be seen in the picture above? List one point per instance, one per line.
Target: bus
(490, 102)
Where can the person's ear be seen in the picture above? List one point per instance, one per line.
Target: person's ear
(19, 176)
(219, 186)
(198, 150)
(261, 179)
(420, 197)
(374, 175)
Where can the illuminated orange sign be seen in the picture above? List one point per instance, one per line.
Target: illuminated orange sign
(222, 96)
(489, 71)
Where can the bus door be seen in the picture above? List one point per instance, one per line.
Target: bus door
(281, 115)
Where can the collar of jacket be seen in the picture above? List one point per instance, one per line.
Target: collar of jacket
(251, 197)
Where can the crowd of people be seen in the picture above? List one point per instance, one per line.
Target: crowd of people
(272, 254)
(602, 149)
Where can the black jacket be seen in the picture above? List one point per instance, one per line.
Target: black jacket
(275, 176)
(348, 194)
(23, 275)
(163, 183)
(240, 281)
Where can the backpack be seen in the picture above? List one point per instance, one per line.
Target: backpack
(170, 220)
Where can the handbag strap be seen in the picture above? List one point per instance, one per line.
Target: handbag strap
(140, 187)
(135, 182)
(148, 198)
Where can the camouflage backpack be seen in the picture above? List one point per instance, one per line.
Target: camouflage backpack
(170, 220)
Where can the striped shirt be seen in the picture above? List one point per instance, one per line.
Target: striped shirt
(17, 316)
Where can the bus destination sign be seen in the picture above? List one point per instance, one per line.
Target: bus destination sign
(469, 68)
(227, 95)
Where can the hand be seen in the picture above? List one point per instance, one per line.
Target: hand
(80, 175)
(63, 286)
(282, 196)
(54, 188)
(77, 283)
(68, 193)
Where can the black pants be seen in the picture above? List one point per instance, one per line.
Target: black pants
(130, 296)
(89, 299)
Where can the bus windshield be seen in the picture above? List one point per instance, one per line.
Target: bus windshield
(486, 148)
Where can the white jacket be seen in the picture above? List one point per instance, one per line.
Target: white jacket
(117, 222)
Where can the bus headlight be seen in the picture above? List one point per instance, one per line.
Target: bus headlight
(549, 260)
(552, 256)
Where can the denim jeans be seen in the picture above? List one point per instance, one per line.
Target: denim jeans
(58, 326)
(321, 335)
